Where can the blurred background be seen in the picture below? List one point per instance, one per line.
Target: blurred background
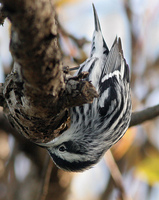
(131, 169)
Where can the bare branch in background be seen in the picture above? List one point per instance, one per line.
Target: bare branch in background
(38, 93)
(116, 175)
(79, 42)
(45, 178)
(144, 115)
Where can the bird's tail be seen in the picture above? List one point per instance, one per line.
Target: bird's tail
(116, 62)
(99, 46)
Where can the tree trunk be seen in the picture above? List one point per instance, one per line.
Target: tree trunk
(37, 94)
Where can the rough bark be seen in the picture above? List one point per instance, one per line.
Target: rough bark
(37, 93)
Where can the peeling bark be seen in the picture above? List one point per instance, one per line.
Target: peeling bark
(38, 94)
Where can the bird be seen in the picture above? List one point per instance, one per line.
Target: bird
(96, 126)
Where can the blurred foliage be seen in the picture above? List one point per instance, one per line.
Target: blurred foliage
(148, 169)
(62, 2)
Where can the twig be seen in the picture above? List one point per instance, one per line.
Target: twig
(67, 69)
(79, 42)
(45, 178)
(144, 115)
(116, 175)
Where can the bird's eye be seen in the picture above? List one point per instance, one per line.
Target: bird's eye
(62, 148)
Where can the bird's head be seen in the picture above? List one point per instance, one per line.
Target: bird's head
(72, 154)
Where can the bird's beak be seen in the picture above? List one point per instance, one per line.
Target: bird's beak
(45, 145)
(42, 145)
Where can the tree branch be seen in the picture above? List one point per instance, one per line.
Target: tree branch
(45, 178)
(38, 93)
(116, 175)
(80, 42)
(144, 115)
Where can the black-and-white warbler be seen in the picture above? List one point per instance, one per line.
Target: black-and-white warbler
(96, 127)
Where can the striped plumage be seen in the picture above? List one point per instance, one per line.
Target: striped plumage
(96, 127)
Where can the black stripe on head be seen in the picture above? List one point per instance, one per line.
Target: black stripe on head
(74, 147)
(71, 166)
